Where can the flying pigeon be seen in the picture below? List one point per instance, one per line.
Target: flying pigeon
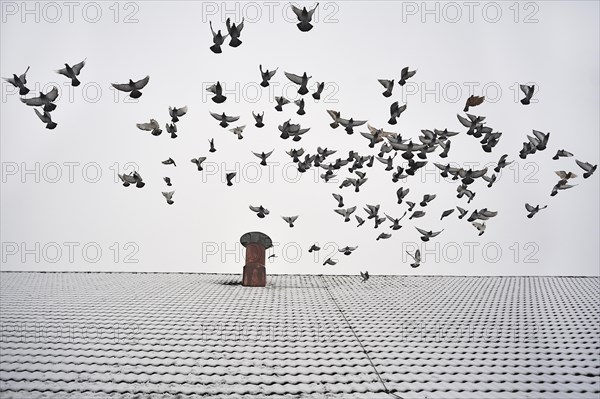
(335, 115)
(212, 145)
(462, 212)
(395, 111)
(540, 140)
(281, 101)
(72, 72)
(490, 180)
(238, 131)
(427, 198)
(302, 81)
(395, 221)
(133, 87)
(561, 185)
(479, 226)
(172, 130)
(169, 161)
(565, 175)
(317, 94)
(20, 82)
(304, 17)
(372, 211)
(378, 221)
(263, 156)
(290, 219)
(401, 193)
(349, 124)
(528, 91)
(234, 32)
(339, 199)
(562, 153)
(313, 248)
(416, 257)
(404, 75)
(448, 212)
(44, 99)
(217, 90)
(300, 104)
(416, 215)
(383, 236)
(229, 177)
(259, 119)
(168, 196)
(132, 178)
(389, 86)
(347, 250)
(588, 167)
(46, 118)
(260, 211)
(198, 161)
(473, 101)
(152, 126)
(533, 209)
(295, 154)
(411, 205)
(175, 113)
(329, 261)
(345, 212)
(225, 120)
(218, 40)
(502, 163)
(426, 235)
(266, 75)
(360, 220)
(167, 180)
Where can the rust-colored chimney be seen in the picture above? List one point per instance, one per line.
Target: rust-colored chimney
(256, 243)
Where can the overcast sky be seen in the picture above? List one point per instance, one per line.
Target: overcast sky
(71, 204)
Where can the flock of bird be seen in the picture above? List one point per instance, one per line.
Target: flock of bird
(413, 154)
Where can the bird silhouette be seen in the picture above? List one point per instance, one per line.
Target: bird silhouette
(131, 87)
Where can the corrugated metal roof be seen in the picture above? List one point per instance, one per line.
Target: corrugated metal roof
(138, 335)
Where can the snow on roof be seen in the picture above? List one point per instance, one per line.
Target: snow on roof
(161, 335)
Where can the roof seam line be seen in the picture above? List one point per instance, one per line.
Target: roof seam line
(358, 339)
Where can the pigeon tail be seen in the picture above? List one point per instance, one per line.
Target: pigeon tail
(135, 94)
(304, 26)
(23, 91)
(215, 48)
(235, 42)
(52, 125)
(75, 82)
(219, 99)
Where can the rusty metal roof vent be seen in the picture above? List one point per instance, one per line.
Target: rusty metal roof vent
(256, 244)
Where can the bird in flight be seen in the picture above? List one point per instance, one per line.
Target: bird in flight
(234, 32)
(260, 211)
(133, 88)
(533, 209)
(72, 72)
(169, 197)
(304, 16)
(290, 220)
(19, 82)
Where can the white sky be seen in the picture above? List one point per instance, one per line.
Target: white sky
(351, 45)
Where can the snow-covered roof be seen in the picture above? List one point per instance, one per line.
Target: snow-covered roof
(174, 335)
